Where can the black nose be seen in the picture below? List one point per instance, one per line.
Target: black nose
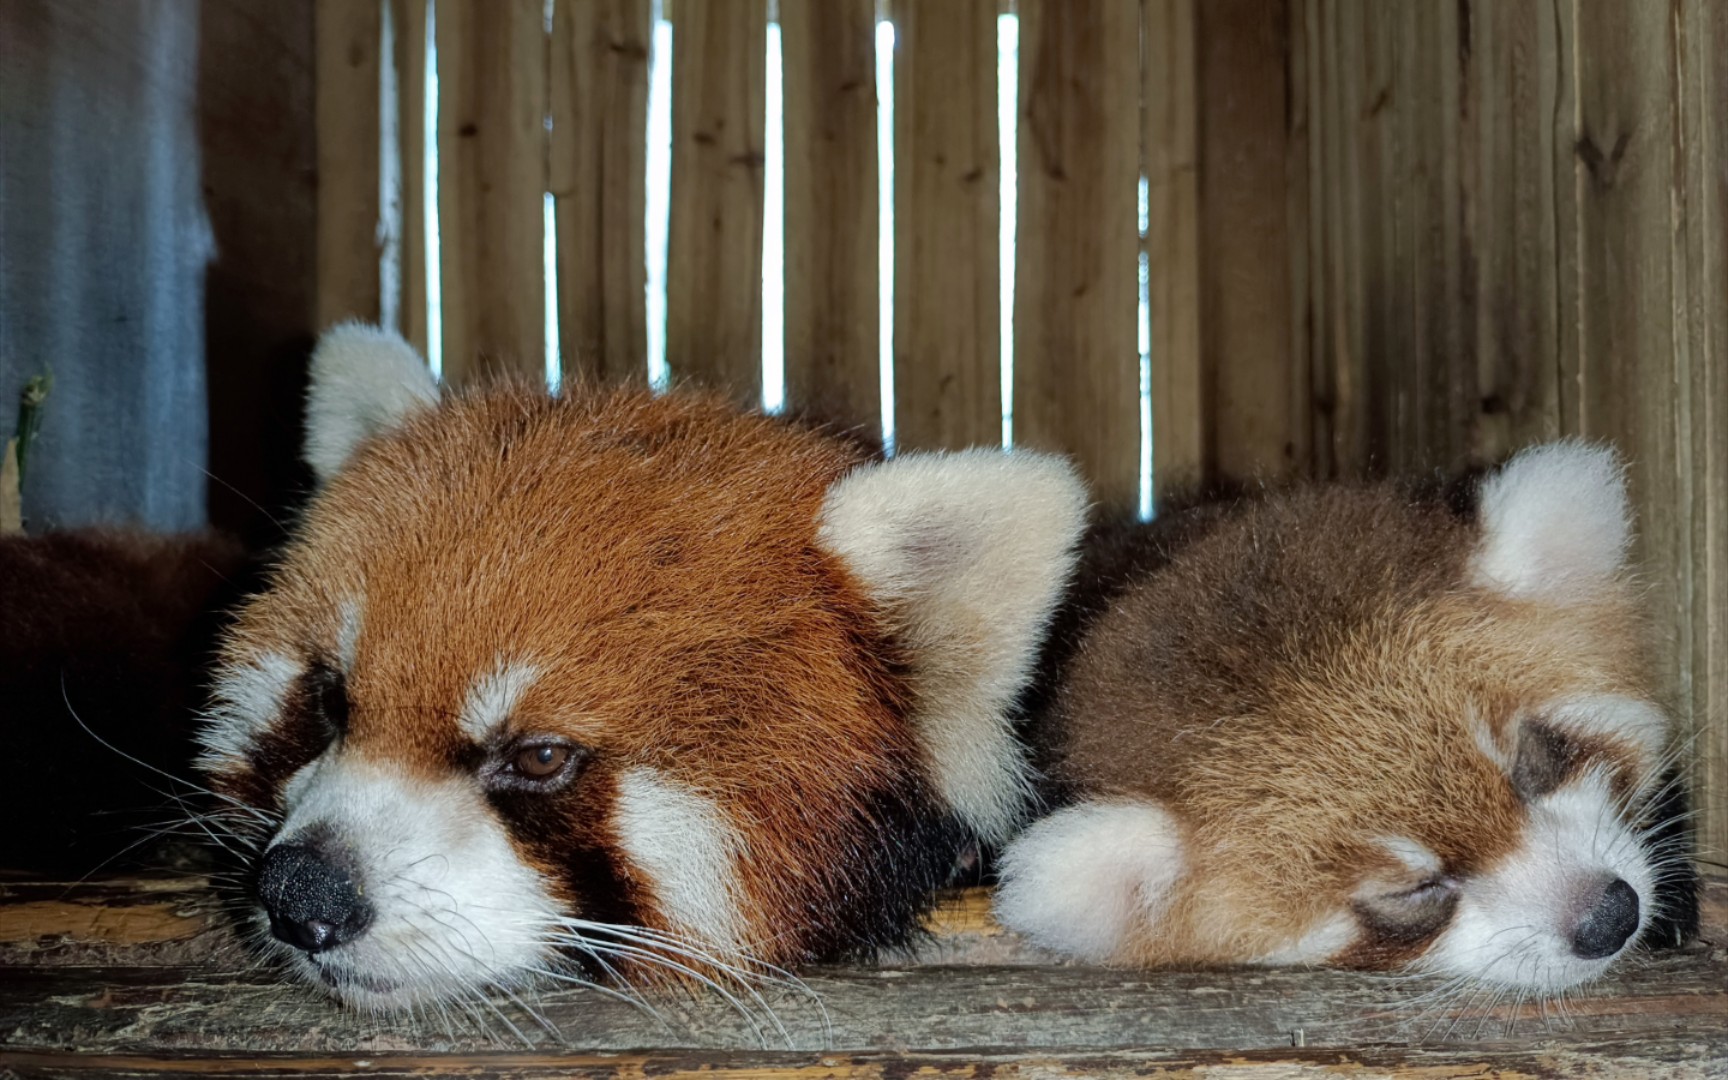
(1609, 924)
(311, 898)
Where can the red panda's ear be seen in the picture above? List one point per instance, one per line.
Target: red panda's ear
(968, 554)
(365, 381)
(1555, 523)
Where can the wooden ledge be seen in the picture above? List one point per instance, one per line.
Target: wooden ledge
(142, 976)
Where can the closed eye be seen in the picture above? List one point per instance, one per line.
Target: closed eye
(1409, 915)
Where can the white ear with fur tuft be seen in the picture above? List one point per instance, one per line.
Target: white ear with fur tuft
(365, 381)
(968, 554)
(1082, 880)
(1555, 523)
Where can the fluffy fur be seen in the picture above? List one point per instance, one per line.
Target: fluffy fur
(1389, 730)
(778, 674)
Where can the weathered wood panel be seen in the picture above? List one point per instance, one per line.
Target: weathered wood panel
(714, 254)
(1076, 291)
(349, 55)
(492, 71)
(1259, 396)
(947, 196)
(599, 179)
(833, 323)
(1170, 146)
(1701, 307)
(410, 25)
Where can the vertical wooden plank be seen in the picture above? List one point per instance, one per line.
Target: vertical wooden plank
(1630, 349)
(492, 60)
(410, 24)
(1076, 361)
(1700, 232)
(599, 179)
(1260, 401)
(947, 195)
(714, 258)
(349, 35)
(1169, 144)
(833, 353)
(1509, 192)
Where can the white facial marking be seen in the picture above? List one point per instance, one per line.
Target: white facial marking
(348, 634)
(246, 700)
(493, 698)
(1629, 721)
(454, 907)
(1513, 925)
(1555, 523)
(968, 554)
(1320, 943)
(1082, 880)
(1416, 856)
(683, 843)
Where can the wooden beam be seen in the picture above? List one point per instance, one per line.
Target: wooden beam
(599, 178)
(492, 60)
(1076, 290)
(410, 24)
(349, 35)
(833, 318)
(947, 290)
(714, 256)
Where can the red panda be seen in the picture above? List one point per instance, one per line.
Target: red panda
(1349, 725)
(604, 681)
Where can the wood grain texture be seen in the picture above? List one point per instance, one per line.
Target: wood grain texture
(1170, 147)
(833, 321)
(1076, 356)
(599, 179)
(410, 25)
(145, 966)
(1259, 397)
(349, 54)
(492, 72)
(714, 254)
(947, 196)
(1679, 1055)
(1701, 307)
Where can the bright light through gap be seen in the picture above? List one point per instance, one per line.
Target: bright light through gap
(1008, 135)
(659, 193)
(774, 235)
(885, 222)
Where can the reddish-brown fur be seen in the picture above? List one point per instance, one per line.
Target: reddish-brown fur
(1296, 682)
(656, 559)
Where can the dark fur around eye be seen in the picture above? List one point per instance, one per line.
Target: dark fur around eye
(1545, 759)
(324, 697)
(1408, 917)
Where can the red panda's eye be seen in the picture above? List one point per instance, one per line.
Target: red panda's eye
(543, 761)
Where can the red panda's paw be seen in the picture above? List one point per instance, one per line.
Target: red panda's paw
(1091, 879)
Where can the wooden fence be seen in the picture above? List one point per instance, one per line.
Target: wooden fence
(1380, 235)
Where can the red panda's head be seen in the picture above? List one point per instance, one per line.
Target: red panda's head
(620, 680)
(1345, 725)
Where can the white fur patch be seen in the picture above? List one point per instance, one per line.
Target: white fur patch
(1416, 856)
(348, 634)
(454, 907)
(1513, 925)
(1555, 523)
(1322, 941)
(494, 697)
(1082, 880)
(968, 554)
(1629, 721)
(245, 701)
(364, 382)
(683, 843)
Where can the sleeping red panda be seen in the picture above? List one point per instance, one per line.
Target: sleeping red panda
(603, 681)
(1349, 725)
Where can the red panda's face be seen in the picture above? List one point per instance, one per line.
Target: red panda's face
(617, 684)
(1344, 728)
